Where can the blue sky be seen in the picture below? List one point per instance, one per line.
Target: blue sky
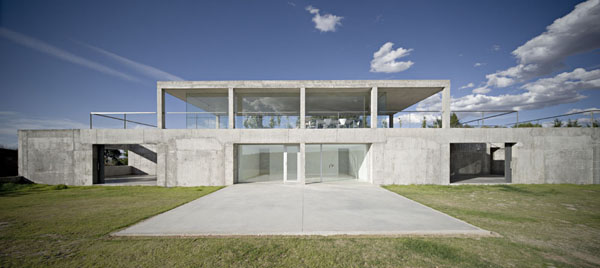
(61, 60)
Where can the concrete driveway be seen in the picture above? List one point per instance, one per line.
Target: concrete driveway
(314, 209)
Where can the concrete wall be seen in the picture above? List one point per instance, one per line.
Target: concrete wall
(110, 171)
(187, 157)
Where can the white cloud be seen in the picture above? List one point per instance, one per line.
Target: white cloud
(478, 64)
(139, 67)
(581, 110)
(11, 121)
(325, 23)
(562, 88)
(384, 60)
(496, 47)
(291, 3)
(481, 90)
(576, 32)
(469, 85)
(46, 48)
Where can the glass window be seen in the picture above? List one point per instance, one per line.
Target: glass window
(338, 110)
(206, 110)
(267, 110)
(267, 162)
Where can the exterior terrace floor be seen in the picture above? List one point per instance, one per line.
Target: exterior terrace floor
(296, 209)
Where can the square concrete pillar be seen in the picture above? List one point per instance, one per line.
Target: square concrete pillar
(302, 107)
(160, 107)
(374, 107)
(446, 107)
(231, 124)
(302, 167)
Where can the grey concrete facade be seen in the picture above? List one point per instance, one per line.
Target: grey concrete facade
(190, 157)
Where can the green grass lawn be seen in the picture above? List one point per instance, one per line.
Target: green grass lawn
(539, 226)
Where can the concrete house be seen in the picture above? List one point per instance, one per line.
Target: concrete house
(310, 132)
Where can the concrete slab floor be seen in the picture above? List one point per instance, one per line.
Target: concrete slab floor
(130, 180)
(315, 209)
(483, 179)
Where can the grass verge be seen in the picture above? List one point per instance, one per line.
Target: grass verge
(541, 225)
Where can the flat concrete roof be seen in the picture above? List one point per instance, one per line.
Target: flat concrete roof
(400, 94)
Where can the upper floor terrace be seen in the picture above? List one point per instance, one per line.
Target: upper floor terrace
(298, 104)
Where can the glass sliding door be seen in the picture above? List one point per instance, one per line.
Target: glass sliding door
(336, 162)
(267, 163)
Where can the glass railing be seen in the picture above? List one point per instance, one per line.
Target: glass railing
(338, 120)
(267, 120)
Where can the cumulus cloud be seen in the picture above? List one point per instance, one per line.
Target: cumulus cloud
(481, 90)
(562, 88)
(496, 47)
(384, 60)
(478, 64)
(325, 23)
(576, 32)
(51, 50)
(11, 121)
(469, 85)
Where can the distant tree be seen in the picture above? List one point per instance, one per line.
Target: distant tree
(557, 123)
(253, 121)
(112, 156)
(399, 122)
(437, 123)
(573, 123)
(424, 123)
(594, 124)
(454, 122)
(529, 124)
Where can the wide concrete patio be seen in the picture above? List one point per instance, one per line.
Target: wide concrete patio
(315, 209)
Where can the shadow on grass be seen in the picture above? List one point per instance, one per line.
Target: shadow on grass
(17, 189)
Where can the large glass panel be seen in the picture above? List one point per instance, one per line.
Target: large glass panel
(267, 110)
(338, 110)
(336, 162)
(267, 162)
(312, 165)
(206, 110)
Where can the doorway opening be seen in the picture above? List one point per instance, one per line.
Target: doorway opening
(336, 162)
(480, 163)
(124, 164)
(267, 163)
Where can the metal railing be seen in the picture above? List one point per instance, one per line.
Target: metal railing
(124, 119)
(341, 119)
(538, 120)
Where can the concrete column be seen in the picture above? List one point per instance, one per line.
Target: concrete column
(302, 166)
(160, 108)
(302, 107)
(446, 107)
(374, 107)
(230, 108)
(391, 121)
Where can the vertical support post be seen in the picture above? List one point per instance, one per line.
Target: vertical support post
(217, 121)
(446, 107)
(231, 120)
(482, 116)
(391, 121)
(374, 107)
(91, 115)
(160, 107)
(302, 107)
(592, 115)
(285, 164)
(517, 119)
(302, 164)
(124, 121)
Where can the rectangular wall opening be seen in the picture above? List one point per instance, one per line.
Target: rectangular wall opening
(124, 164)
(480, 162)
(267, 163)
(336, 162)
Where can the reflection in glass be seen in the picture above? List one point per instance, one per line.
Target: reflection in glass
(336, 162)
(206, 110)
(267, 162)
